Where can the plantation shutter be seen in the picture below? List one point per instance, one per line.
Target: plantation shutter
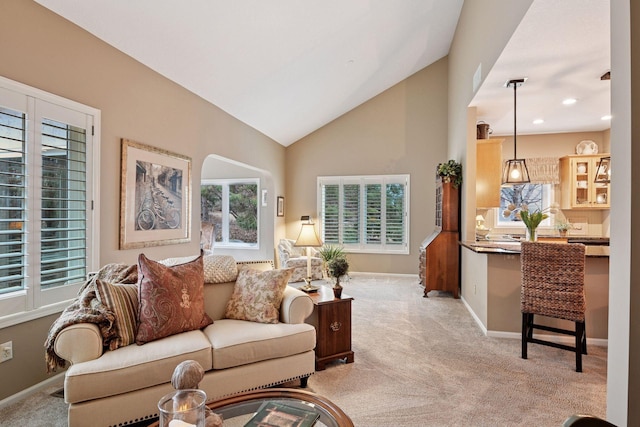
(13, 134)
(395, 217)
(330, 213)
(63, 238)
(373, 213)
(351, 214)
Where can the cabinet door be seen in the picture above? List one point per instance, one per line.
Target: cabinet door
(579, 191)
(488, 172)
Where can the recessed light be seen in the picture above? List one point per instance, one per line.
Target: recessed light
(538, 121)
(607, 117)
(569, 101)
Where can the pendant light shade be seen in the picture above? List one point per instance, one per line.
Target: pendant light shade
(603, 171)
(515, 170)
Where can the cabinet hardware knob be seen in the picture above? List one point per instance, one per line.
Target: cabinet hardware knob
(335, 326)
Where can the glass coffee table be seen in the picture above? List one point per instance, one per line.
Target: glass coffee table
(238, 410)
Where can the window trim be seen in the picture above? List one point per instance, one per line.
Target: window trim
(225, 204)
(362, 181)
(547, 224)
(23, 305)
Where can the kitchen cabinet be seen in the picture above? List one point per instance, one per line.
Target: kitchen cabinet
(577, 176)
(488, 172)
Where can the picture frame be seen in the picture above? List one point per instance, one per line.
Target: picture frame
(280, 206)
(155, 196)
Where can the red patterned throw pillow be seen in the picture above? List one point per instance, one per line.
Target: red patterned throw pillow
(171, 299)
(257, 295)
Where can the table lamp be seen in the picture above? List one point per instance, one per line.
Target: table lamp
(309, 239)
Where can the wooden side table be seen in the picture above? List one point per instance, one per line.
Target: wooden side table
(332, 319)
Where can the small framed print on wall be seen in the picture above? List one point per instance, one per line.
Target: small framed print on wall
(280, 206)
(155, 196)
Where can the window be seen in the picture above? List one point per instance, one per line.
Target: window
(365, 214)
(47, 240)
(232, 207)
(534, 196)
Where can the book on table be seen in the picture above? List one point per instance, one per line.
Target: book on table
(274, 414)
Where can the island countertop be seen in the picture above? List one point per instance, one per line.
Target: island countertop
(497, 247)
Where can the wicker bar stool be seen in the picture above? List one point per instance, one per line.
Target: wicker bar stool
(553, 286)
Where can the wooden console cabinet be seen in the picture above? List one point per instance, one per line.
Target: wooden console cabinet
(440, 252)
(332, 319)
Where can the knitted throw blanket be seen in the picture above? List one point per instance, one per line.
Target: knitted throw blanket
(86, 308)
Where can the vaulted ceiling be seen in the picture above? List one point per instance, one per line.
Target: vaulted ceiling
(289, 67)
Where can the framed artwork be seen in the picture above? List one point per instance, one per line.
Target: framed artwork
(280, 206)
(155, 196)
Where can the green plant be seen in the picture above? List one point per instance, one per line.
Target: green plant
(451, 171)
(563, 226)
(329, 252)
(337, 268)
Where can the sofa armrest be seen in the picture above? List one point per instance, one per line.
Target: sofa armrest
(296, 306)
(79, 343)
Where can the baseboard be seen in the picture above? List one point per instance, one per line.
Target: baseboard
(598, 342)
(31, 390)
(365, 273)
(473, 314)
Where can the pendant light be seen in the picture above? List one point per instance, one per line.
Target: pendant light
(603, 171)
(515, 170)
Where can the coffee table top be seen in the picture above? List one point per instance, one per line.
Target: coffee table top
(236, 411)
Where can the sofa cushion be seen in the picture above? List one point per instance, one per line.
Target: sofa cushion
(257, 295)
(122, 301)
(135, 367)
(238, 342)
(171, 299)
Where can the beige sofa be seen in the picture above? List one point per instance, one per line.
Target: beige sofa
(123, 386)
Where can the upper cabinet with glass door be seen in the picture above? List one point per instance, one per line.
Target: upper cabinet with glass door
(578, 182)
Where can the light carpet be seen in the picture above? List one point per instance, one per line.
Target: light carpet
(424, 362)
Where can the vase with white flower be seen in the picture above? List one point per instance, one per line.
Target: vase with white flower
(532, 220)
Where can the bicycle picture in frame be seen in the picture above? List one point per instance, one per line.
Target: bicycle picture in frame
(155, 196)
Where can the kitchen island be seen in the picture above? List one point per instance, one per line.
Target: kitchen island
(492, 290)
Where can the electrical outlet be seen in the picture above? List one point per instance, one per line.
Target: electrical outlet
(6, 351)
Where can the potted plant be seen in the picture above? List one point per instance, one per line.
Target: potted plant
(328, 253)
(338, 267)
(563, 227)
(451, 171)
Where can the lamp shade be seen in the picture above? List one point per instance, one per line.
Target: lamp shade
(308, 236)
(603, 171)
(515, 172)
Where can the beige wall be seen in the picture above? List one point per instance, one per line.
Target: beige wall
(623, 373)
(42, 50)
(483, 30)
(400, 131)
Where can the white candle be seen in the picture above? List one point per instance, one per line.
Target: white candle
(180, 423)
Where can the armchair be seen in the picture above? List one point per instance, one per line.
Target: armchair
(293, 257)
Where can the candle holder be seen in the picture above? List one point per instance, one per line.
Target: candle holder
(183, 408)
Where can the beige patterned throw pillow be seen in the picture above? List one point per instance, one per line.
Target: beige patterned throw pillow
(257, 295)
